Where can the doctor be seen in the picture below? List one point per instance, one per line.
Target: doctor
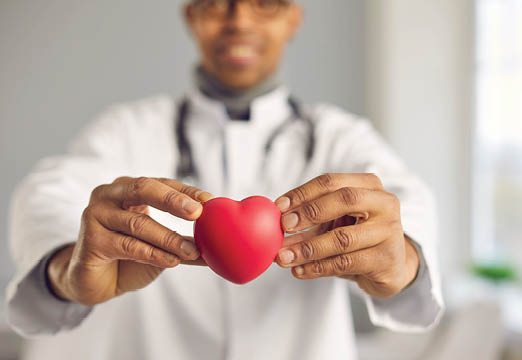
(102, 234)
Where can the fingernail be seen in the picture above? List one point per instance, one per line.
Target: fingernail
(299, 270)
(286, 256)
(190, 206)
(290, 220)
(188, 247)
(203, 196)
(283, 203)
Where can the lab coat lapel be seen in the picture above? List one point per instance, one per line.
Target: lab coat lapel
(229, 154)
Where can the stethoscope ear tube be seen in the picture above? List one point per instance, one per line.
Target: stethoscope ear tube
(186, 167)
(185, 163)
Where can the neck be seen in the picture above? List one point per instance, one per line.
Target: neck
(237, 102)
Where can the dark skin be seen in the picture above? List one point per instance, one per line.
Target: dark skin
(353, 227)
(242, 48)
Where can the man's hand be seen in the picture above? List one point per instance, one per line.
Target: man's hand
(354, 232)
(120, 248)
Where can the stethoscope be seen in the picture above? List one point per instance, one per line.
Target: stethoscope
(186, 164)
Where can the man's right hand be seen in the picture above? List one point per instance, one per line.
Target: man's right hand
(120, 248)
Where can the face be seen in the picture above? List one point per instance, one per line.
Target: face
(242, 43)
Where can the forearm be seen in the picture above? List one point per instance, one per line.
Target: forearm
(33, 308)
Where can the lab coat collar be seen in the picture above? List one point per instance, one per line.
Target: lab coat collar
(266, 110)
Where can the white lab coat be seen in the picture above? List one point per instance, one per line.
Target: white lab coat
(189, 312)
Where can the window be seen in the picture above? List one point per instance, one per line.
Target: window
(497, 144)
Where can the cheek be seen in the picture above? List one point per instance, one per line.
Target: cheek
(276, 42)
(206, 34)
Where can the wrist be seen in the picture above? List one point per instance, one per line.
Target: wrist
(57, 273)
(412, 261)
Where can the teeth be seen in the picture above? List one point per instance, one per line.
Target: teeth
(241, 51)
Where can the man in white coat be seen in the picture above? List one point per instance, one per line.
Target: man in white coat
(102, 234)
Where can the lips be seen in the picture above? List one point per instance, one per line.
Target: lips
(239, 54)
(238, 51)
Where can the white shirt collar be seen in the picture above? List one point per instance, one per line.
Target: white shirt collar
(266, 110)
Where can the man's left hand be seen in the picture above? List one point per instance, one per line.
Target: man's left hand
(353, 231)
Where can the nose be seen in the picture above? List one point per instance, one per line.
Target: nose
(240, 14)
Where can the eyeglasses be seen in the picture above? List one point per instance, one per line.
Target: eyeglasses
(221, 8)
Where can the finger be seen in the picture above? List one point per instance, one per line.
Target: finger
(324, 184)
(297, 238)
(143, 209)
(306, 235)
(143, 227)
(148, 191)
(124, 247)
(356, 202)
(353, 278)
(192, 191)
(355, 263)
(199, 261)
(338, 241)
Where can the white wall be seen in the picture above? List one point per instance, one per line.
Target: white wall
(417, 90)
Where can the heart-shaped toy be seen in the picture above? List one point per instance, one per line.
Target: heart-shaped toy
(239, 240)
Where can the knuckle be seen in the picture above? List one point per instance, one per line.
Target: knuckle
(171, 197)
(373, 179)
(297, 196)
(120, 179)
(317, 267)
(89, 214)
(139, 184)
(171, 182)
(137, 222)
(171, 240)
(127, 245)
(345, 240)
(189, 190)
(150, 252)
(311, 211)
(342, 264)
(349, 196)
(307, 250)
(98, 191)
(326, 181)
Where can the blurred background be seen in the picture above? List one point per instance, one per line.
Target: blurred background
(441, 80)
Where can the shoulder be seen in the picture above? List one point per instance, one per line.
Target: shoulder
(141, 110)
(127, 120)
(150, 111)
(331, 119)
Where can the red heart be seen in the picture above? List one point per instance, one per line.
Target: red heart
(239, 240)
